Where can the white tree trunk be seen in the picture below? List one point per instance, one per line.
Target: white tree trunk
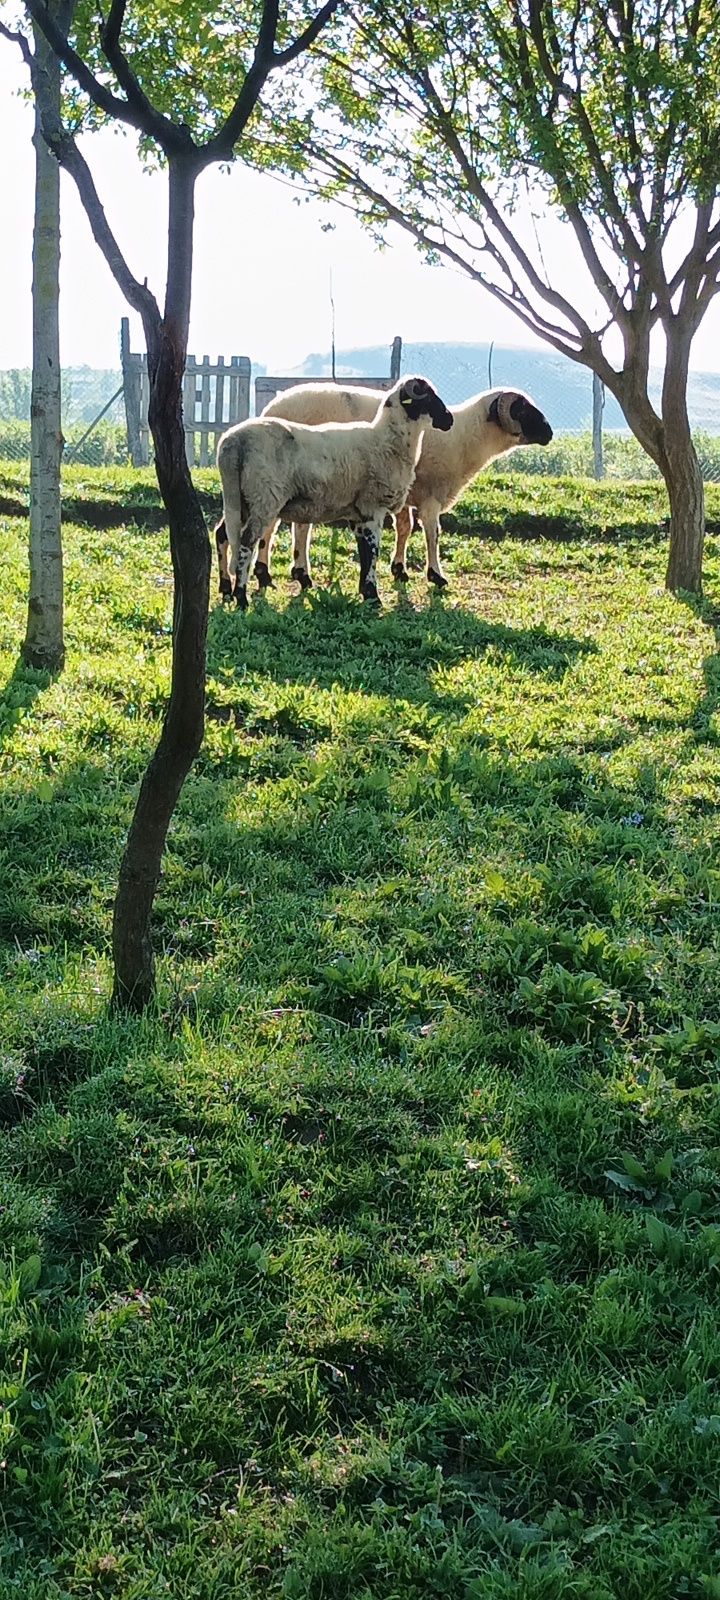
(44, 643)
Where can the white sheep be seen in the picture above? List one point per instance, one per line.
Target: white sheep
(484, 428)
(354, 471)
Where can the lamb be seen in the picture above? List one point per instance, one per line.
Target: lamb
(354, 471)
(485, 427)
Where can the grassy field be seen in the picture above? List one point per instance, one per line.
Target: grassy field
(381, 1263)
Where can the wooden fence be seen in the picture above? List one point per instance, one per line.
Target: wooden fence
(267, 388)
(214, 396)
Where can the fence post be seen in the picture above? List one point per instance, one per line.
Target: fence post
(395, 358)
(597, 411)
(132, 396)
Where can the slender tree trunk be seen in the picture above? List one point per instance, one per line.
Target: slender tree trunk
(44, 643)
(183, 727)
(681, 469)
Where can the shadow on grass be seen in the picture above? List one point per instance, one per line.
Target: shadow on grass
(707, 611)
(328, 640)
(19, 694)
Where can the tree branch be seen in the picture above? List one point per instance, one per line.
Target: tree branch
(85, 79)
(586, 350)
(166, 133)
(308, 35)
(265, 59)
(22, 43)
(137, 294)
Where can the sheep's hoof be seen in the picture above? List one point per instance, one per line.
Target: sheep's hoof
(226, 588)
(369, 592)
(400, 572)
(262, 573)
(437, 578)
(241, 599)
(302, 577)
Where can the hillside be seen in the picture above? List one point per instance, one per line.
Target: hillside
(563, 389)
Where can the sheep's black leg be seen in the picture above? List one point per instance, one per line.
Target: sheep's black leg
(435, 575)
(248, 542)
(221, 541)
(368, 543)
(403, 523)
(300, 569)
(262, 569)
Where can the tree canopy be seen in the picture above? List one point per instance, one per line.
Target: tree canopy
(606, 113)
(440, 117)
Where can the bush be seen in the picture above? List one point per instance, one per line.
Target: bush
(571, 456)
(106, 446)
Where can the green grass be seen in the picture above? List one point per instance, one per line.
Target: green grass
(382, 1262)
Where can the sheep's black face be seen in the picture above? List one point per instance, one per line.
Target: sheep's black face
(419, 399)
(535, 428)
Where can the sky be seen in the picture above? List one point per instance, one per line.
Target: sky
(262, 266)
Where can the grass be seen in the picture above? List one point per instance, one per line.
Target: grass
(382, 1261)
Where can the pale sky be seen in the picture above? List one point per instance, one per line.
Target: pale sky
(262, 265)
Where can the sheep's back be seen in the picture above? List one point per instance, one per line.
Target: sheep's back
(315, 403)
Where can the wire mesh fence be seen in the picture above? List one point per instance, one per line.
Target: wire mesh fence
(94, 418)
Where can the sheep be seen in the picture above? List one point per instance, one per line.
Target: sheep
(485, 427)
(355, 471)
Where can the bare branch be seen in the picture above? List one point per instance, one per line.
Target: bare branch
(265, 59)
(20, 40)
(586, 348)
(164, 131)
(308, 35)
(137, 294)
(481, 194)
(167, 134)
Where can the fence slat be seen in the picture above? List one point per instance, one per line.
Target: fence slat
(214, 395)
(205, 411)
(234, 385)
(144, 403)
(219, 398)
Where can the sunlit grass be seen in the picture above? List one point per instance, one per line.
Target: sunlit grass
(383, 1259)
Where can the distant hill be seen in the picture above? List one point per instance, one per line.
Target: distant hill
(561, 387)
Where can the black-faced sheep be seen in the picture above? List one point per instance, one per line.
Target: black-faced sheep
(357, 472)
(484, 428)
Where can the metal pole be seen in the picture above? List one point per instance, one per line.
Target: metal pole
(74, 449)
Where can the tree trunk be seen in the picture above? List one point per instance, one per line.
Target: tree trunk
(183, 727)
(44, 643)
(681, 469)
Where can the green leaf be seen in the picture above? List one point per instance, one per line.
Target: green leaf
(29, 1275)
(663, 1168)
(503, 1307)
(623, 1181)
(634, 1168)
(44, 790)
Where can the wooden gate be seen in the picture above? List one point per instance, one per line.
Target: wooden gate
(214, 396)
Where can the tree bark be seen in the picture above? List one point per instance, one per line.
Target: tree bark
(44, 644)
(681, 468)
(183, 727)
